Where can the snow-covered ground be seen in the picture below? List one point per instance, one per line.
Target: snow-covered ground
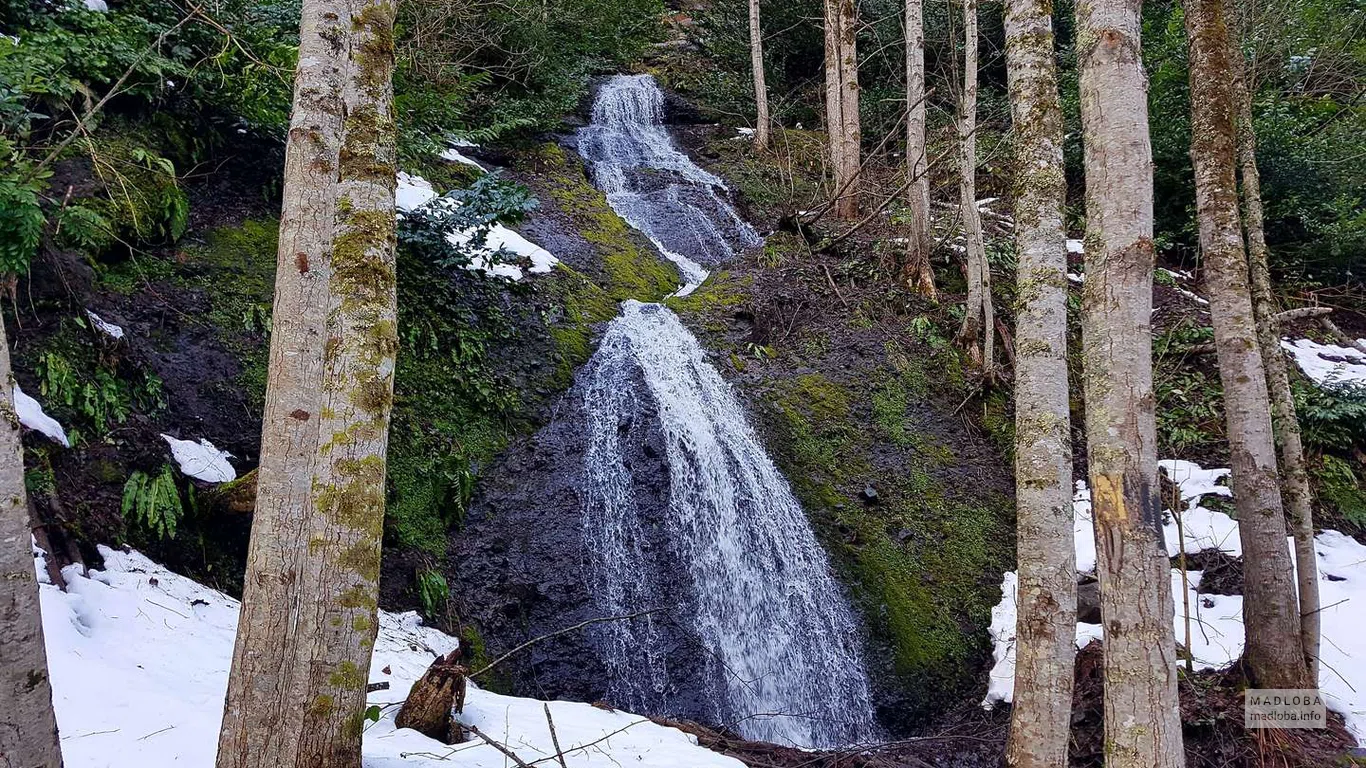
(139, 658)
(1329, 365)
(1217, 620)
(414, 192)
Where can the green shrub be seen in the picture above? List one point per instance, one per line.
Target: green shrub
(432, 592)
(153, 503)
(1340, 487)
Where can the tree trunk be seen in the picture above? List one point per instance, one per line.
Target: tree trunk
(296, 694)
(1040, 721)
(1294, 474)
(1142, 722)
(28, 726)
(978, 319)
(1274, 653)
(917, 272)
(842, 103)
(756, 58)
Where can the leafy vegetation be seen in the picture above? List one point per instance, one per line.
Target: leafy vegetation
(433, 593)
(153, 503)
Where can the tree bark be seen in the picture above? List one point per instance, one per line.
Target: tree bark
(1142, 722)
(1040, 721)
(916, 272)
(978, 319)
(1294, 474)
(756, 58)
(842, 103)
(296, 694)
(1271, 616)
(28, 725)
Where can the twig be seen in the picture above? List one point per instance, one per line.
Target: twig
(834, 287)
(554, 737)
(519, 761)
(153, 733)
(557, 633)
(595, 742)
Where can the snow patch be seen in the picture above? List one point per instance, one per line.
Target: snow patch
(139, 659)
(414, 192)
(1328, 365)
(32, 416)
(1216, 621)
(201, 460)
(103, 326)
(1075, 246)
(453, 155)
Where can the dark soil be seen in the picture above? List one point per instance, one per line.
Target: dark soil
(1222, 573)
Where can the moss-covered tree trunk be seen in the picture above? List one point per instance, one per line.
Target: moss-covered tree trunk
(916, 271)
(1274, 653)
(28, 725)
(1294, 474)
(296, 695)
(1142, 721)
(842, 103)
(979, 318)
(1040, 721)
(756, 60)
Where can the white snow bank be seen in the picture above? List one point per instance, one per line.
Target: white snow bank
(105, 327)
(1328, 365)
(1217, 620)
(414, 192)
(743, 133)
(32, 416)
(139, 659)
(453, 155)
(201, 460)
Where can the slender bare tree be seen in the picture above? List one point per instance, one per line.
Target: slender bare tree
(756, 60)
(842, 103)
(979, 322)
(296, 694)
(1142, 722)
(28, 725)
(1294, 474)
(916, 272)
(1274, 653)
(1040, 721)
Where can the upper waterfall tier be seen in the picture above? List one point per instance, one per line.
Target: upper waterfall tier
(656, 188)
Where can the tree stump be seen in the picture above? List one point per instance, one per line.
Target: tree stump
(434, 697)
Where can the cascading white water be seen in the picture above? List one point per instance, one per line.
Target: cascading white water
(736, 567)
(782, 647)
(654, 186)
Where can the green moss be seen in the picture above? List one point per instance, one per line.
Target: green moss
(914, 559)
(347, 677)
(630, 269)
(142, 201)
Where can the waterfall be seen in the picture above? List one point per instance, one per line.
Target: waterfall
(681, 208)
(732, 563)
